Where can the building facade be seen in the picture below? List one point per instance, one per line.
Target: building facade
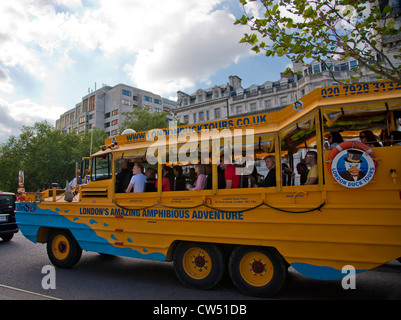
(232, 100)
(104, 108)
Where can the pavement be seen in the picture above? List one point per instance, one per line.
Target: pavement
(11, 293)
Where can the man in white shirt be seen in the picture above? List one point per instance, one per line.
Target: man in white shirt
(137, 183)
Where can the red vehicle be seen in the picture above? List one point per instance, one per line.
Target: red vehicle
(8, 225)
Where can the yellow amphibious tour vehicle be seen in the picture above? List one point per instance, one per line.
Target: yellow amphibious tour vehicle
(349, 216)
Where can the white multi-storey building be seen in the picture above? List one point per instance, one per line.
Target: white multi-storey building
(232, 100)
(103, 108)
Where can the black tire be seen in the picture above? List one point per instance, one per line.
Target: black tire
(62, 248)
(7, 237)
(257, 271)
(199, 265)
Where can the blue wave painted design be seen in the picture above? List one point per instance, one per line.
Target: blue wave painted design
(320, 273)
(30, 222)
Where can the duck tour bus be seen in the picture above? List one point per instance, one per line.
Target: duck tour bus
(314, 186)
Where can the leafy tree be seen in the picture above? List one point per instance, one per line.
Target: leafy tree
(45, 154)
(142, 119)
(304, 30)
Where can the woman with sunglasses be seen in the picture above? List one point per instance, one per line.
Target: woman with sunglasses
(334, 139)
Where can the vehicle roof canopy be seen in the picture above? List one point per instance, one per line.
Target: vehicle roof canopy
(339, 105)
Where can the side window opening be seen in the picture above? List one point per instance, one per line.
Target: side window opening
(101, 167)
(297, 144)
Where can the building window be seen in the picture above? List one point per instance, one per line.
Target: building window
(106, 115)
(82, 120)
(239, 109)
(126, 93)
(85, 106)
(186, 120)
(207, 115)
(114, 132)
(126, 102)
(194, 117)
(157, 101)
(316, 68)
(201, 117)
(217, 113)
(146, 98)
(114, 112)
(353, 64)
(328, 67)
(253, 107)
(268, 104)
(92, 103)
(114, 122)
(341, 67)
(283, 101)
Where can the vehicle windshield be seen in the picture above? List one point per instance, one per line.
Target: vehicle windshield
(7, 201)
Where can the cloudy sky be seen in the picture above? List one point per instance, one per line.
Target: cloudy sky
(52, 51)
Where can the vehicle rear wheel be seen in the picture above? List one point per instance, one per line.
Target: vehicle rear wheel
(199, 265)
(7, 237)
(62, 248)
(257, 271)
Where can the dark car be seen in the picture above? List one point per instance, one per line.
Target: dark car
(8, 225)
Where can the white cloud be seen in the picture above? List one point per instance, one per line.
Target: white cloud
(162, 45)
(189, 50)
(24, 113)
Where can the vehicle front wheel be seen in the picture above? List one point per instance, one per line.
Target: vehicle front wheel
(62, 248)
(199, 265)
(257, 271)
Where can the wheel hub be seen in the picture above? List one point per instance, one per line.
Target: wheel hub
(200, 261)
(258, 267)
(62, 247)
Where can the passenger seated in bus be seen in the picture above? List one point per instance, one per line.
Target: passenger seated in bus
(231, 178)
(334, 139)
(368, 137)
(137, 183)
(167, 179)
(200, 182)
(311, 160)
(150, 184)
(123, 177)
(209, 179)
(303, 171)
(270, 179)
(192, 176)
(395, 138)
(179, 179)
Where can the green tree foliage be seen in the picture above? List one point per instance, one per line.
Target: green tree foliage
(142, 119)
(45, 154)
(304, 30)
